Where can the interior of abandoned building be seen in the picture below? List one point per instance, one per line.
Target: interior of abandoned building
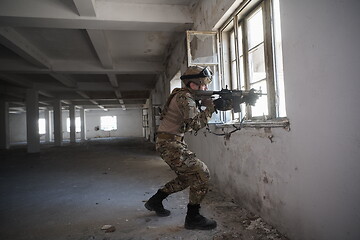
(82, 85)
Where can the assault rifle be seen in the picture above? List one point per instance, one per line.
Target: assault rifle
(230, 99)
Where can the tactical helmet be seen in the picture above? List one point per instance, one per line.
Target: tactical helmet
(198, 75)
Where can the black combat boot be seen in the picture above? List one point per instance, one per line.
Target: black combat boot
(194, 220)
(155, 204)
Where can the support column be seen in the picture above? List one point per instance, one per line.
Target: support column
(72, 123)
(58, 135)
(32, 121)
(83, 124)
(47, 125)
(4, 125)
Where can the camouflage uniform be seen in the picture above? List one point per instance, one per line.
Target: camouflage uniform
(179, 116)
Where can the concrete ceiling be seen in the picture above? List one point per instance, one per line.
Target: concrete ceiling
(90, 53)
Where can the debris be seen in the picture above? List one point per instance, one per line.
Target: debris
(108, 228)
(151, 227)
(255, 224)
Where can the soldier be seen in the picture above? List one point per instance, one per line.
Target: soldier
(180, 115)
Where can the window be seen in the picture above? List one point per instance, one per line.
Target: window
(42, 126)
(175, 82)
(108, 123)
(251, 57)
(202, 50)
(246, 53)
(77, 124)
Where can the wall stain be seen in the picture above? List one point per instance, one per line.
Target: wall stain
(265, 179)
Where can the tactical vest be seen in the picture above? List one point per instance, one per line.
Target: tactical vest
(172, 116)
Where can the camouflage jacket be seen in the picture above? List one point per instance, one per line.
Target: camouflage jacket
(181, 113)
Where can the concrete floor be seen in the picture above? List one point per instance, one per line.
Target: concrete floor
(70, 192)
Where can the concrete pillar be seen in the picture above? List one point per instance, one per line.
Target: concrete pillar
(32, 121)
(83, 124)
(152, 120)
(58, 135)
(47, 125)
(4, 125)
(72, 123)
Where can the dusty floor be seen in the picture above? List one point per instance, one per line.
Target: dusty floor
(70, 192)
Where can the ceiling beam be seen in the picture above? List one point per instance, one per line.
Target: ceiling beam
(83, 23)
(118, 94)
(66, 102)
(17, 109)
(23, 83)
(19, 97)
(97, 37)
(17, 43)
(130, 106)
(12, 78)
(84, 95)
(22, 104)
(46, 94)
(44, 103)
(83, 86)
(77, 99)
(85, 7)
(119, 98)
(12, 99)
(13, 91)
(113, 80)
(136, 12)
(64, 80)
(100, 44)
(82, 67)
(110, 15)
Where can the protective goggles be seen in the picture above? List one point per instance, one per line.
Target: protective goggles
(204, 73)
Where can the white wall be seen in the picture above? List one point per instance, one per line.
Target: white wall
(306, 181)
(129, 124)
(17, 125)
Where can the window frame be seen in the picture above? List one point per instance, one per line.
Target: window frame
(239, 19)
(42, 126)
(215, 65)
(236, 19)
(103, 124)
(190, 61)
(77, 124)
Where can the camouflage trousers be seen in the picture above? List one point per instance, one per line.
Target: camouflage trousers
(191, 171)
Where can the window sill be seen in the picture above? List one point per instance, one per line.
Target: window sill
(273, 123)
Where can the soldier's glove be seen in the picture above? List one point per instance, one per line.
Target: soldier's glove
(223, 104)
(207, 102)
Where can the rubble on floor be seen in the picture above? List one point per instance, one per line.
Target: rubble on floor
(74, 190)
